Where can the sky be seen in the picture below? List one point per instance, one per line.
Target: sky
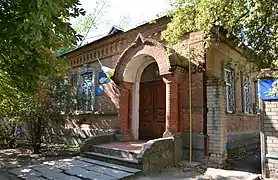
(124, 13)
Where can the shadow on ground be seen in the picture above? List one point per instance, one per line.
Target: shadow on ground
(12, 158)
(19, 157)
(251, 163)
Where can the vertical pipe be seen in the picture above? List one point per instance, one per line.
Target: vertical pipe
(168, 107)
(190, 112)
(205, 110)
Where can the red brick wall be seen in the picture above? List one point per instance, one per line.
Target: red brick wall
(125, 109)
(197, 103)
(242, 123)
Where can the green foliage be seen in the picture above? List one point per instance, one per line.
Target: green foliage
(83, 25)
(87, 23)
(7, 135)
(254, 23)
(31, 32)
(42, 112)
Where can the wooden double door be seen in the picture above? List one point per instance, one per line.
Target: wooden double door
(152, 109)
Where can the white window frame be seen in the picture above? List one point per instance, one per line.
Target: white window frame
(246, 94)
(230, 90)
(80, 78)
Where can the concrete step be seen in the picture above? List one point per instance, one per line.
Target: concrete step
(128, 161)
(110, 165)
(115, 152)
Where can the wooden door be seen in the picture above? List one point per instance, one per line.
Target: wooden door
(152, 104)
(159, 109)
(152, 110)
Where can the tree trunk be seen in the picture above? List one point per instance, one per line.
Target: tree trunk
(37, 148)
(11, 140)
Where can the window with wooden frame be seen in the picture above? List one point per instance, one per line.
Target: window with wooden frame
(246, 95)
(86, 90)
(229, 76)
(256, 105)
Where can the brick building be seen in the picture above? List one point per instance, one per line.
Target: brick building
(150, 93)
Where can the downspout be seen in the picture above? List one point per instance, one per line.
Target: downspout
(190, 111)
(205, 110)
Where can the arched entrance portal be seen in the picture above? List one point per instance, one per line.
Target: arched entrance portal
(152, 103)
(151, 115)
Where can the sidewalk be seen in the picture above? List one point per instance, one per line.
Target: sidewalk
(175, 173)
(248, 168)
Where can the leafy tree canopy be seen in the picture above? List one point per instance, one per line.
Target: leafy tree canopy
(31, 32)
(253, 22)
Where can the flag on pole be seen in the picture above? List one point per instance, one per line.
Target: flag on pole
(108, 71)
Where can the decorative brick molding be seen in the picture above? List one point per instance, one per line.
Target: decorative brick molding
(142, 46)
(101, 52)
(115, 44)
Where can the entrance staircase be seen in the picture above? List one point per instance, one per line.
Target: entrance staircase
(135, 156)
(121, 153)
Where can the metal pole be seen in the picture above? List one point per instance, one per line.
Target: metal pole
(190, 112)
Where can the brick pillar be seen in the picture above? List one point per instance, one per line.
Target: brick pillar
(172, 107)
(123, 110)
(269, 138)
(216, 124)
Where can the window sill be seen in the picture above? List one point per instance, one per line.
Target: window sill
(230, 112)
(82, 112)
(95, 113)
(242, 114)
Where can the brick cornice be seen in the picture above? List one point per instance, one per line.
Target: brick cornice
(114, 44)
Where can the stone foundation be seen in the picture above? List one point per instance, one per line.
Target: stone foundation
(198, 147)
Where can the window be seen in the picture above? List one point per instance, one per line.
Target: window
(230, 90)
(247, 95)
(86, 90)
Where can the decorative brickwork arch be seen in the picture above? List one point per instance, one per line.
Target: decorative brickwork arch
(143, 46)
